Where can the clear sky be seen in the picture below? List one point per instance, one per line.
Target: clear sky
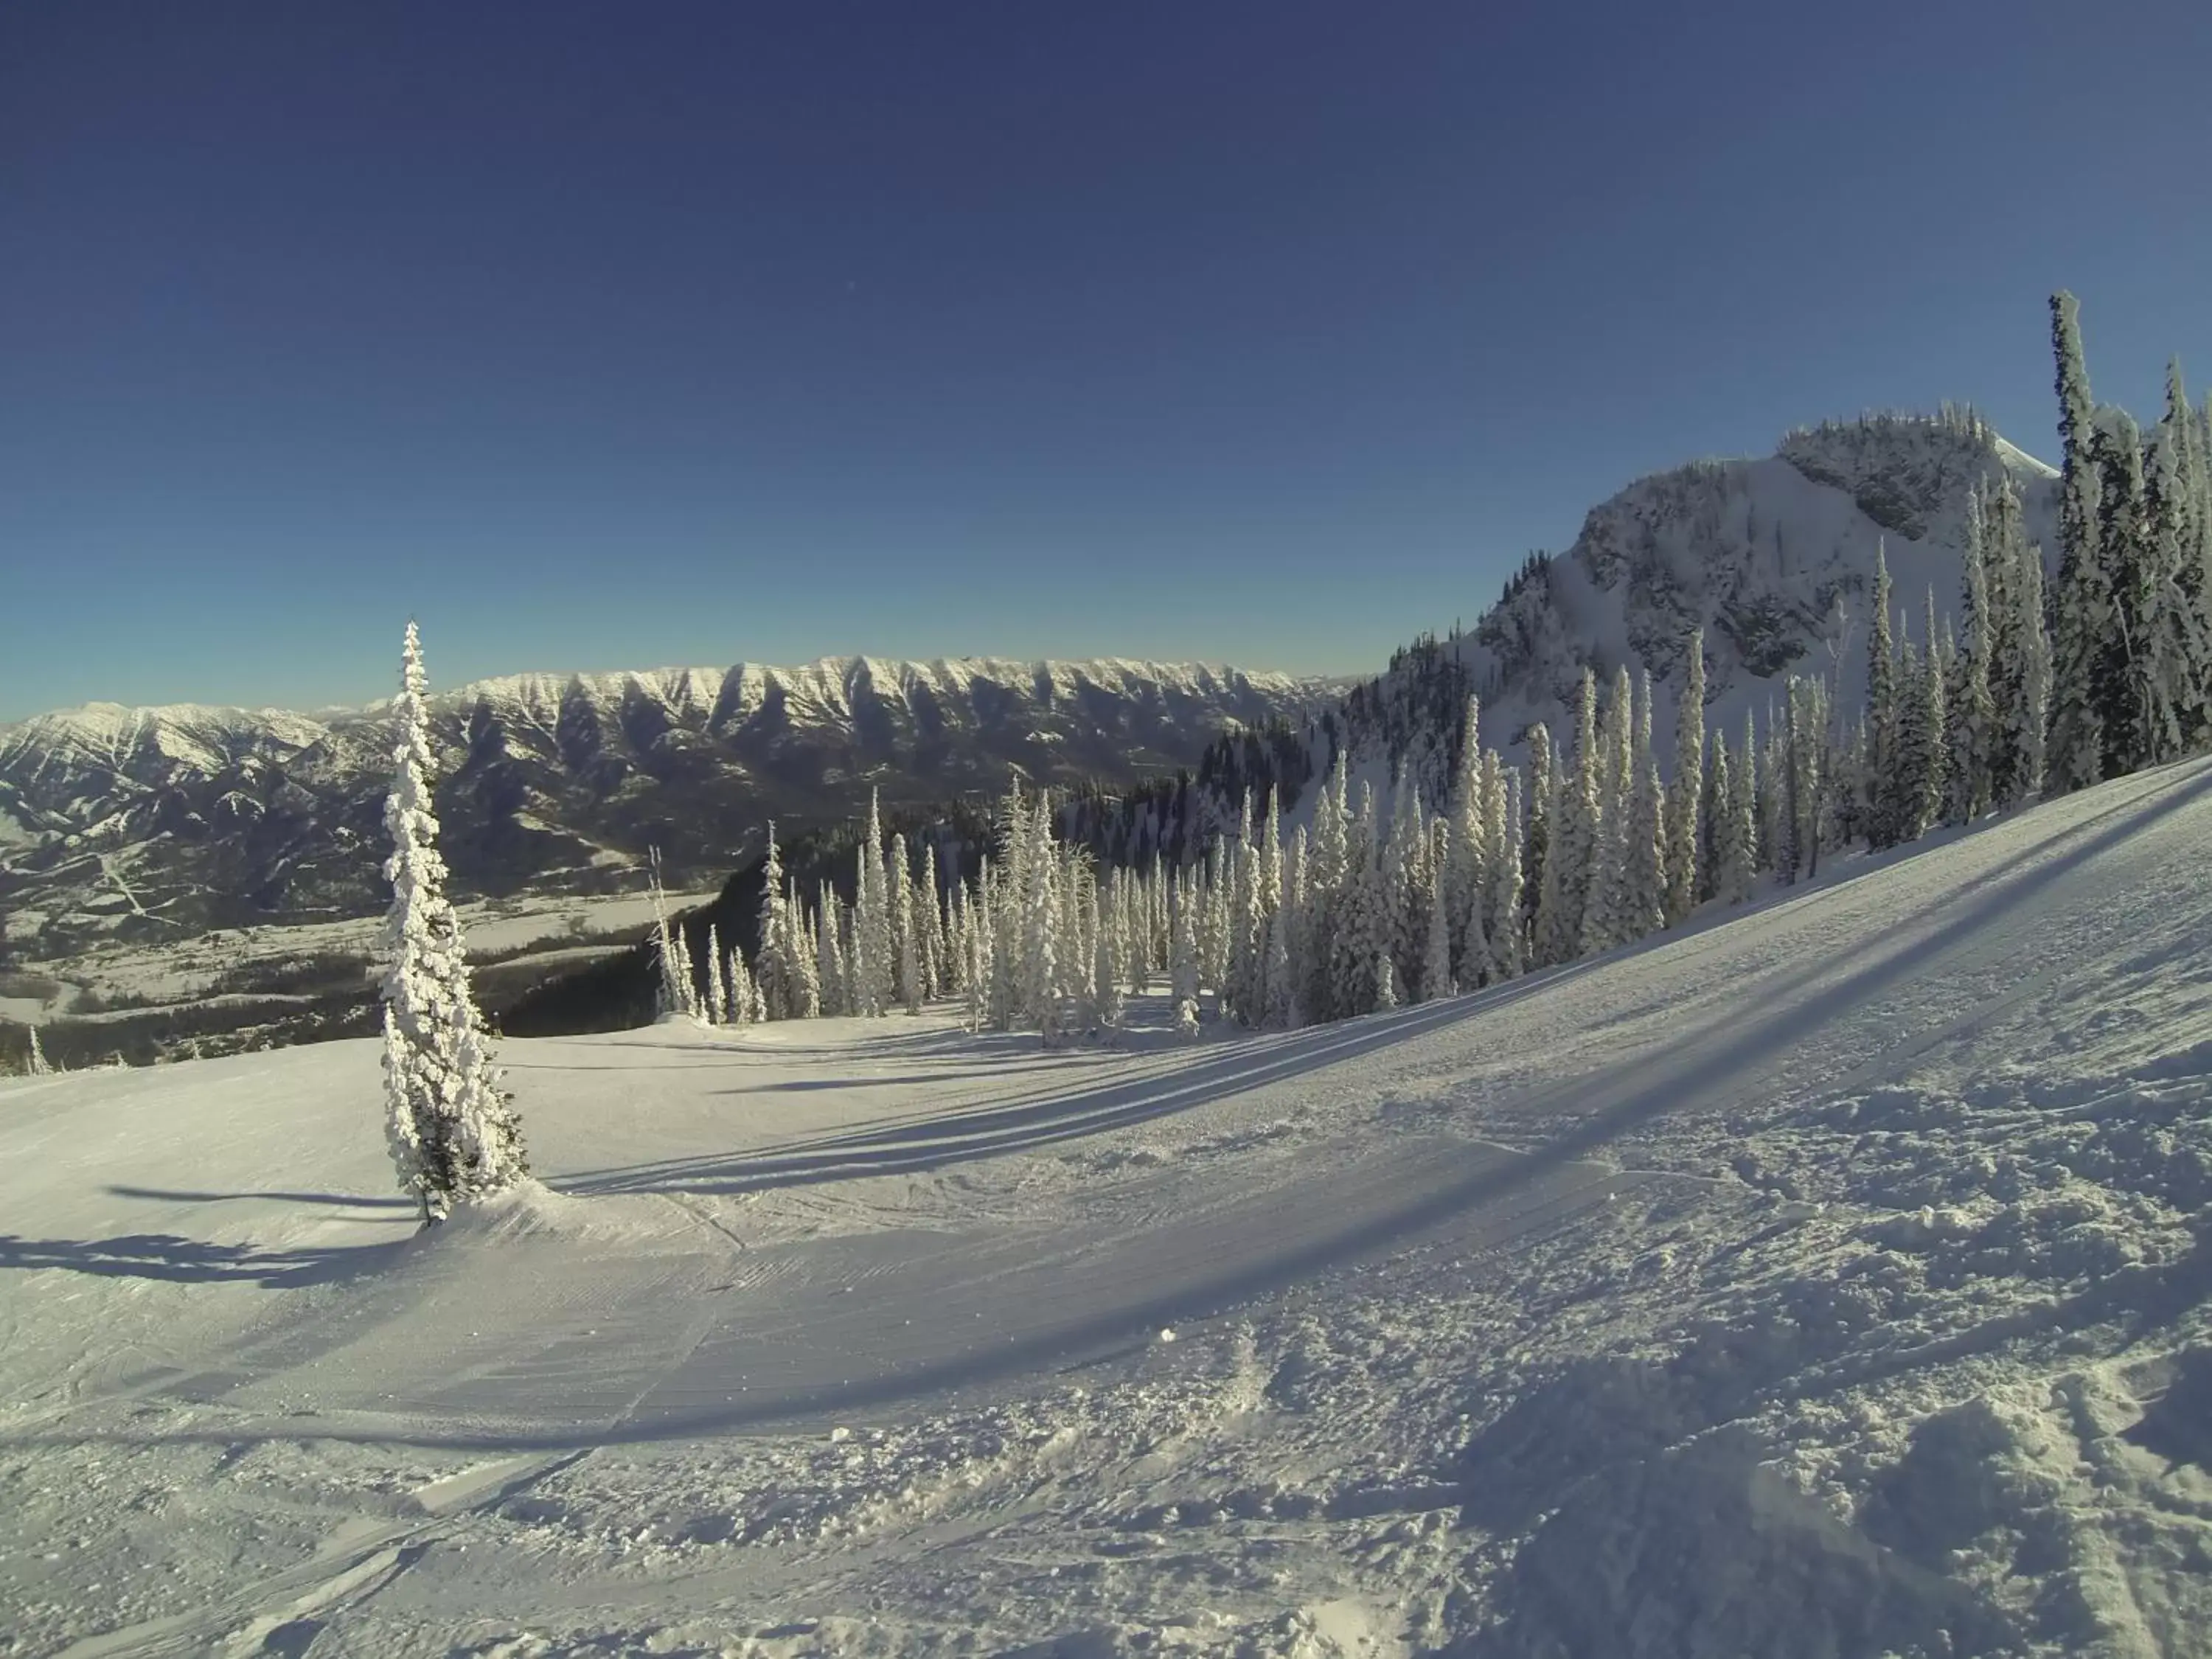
(614, 335)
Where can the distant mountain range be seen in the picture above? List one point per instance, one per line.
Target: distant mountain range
(120, 822)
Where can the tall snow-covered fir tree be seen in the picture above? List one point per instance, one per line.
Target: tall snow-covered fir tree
(1535, 840)
(1508, 938)
(772, 963)
(1040, 931)
(1436, 979)
(2123, 686)
(872, 934)
(1725, 857)
(1683, 838)
(1569, 859)
(1645, 891)
(2169, 666)
(1604, 921)
(1735, 835)
(1971, 708)
(1882, 713)
(452, 1131)
(1920, 728)
(715, 1001)
(743, 1006)
(2028, 710)
(836, 993)
(673, 992)
(929, 919)
(2083, 610)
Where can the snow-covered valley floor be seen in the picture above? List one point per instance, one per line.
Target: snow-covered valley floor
(1834, 1279)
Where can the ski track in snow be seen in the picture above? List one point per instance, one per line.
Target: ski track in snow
(1831, 1278)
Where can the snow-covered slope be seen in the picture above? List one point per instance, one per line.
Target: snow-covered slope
(1832, 1280)
(156, 819)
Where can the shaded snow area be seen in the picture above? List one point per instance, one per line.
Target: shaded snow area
(1831, 1279)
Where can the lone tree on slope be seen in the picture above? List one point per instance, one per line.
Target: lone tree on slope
(452, 1130)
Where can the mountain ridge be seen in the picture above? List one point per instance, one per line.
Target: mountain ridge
(1772, 556)
(115, 818)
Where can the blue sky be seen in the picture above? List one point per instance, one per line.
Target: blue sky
(604, 336)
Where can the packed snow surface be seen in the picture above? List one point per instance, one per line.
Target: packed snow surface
(1830, 1279)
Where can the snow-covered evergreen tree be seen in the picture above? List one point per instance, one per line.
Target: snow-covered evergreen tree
(1602, 799)
(1041, 928)
(2190, 504)
(452, 1131)
(1296, 913)
(929, 922)
(836, 996)
(711, 1004)
(1644, 890)
(1683, 837)
(1328, 864)
(2169, 664)
(2029, 712)
(672, 992)
(1402, 881)
(1282, 992)
(1883, 714)
(39, 1066)
(1435, 977)
(1973, 707)
(1730, 859)
(912, 982)
(686, 973)
(1913, 758)
(2083, 616)
(1468, 877)
(1507, 953)
(2122, 684)
(772, 955)
(1535, 843)
(1808, 761)
(976, 971)
(1465, 874)
(1569, 858)
(1105, 967)
(1004, 909)
(802, 981)
(898, 918)
(1932, 719)
(745, 1003)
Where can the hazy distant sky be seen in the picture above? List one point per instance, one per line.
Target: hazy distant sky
(614, 335)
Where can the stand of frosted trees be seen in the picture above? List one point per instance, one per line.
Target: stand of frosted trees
(1381, 901)
(2040, 694)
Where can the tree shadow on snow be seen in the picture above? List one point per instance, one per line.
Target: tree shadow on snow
(939, 1140)
(193, 1260)
(349, 1200)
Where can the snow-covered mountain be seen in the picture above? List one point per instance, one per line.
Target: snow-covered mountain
(1773, 557)
(1760, 554)
(183, 816)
